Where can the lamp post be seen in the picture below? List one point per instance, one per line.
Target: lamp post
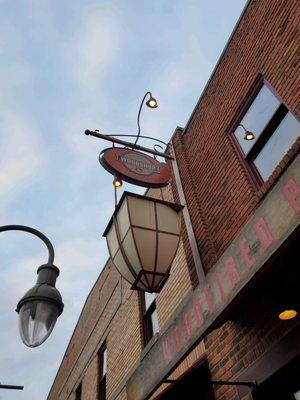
(41, 305)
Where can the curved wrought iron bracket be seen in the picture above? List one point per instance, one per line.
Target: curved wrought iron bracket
(14, 387)
(141, 136)
(114, 139)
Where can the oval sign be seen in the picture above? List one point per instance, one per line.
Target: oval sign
(135, 167)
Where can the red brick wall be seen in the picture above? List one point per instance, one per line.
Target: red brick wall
(219, 192)
(254, 326)
(179, 282)
(80, 359)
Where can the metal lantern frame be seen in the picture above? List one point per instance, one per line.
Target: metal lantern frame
(146, 279)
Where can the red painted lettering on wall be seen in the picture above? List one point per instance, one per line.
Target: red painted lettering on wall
(245, 249)
(232, 273)
(291, 191)
(187, 326)
(220, 287)
(263, 233)
(177, 338)
(208, 297)
(167, 350)
(198, 313)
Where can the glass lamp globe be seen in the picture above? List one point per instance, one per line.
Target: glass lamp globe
(39, 309)
(152, 103)
(249, 135)
(36, 321)
(117, 183)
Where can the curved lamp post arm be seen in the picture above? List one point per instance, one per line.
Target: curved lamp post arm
(138, 117)
(33, 232)
(243, 127)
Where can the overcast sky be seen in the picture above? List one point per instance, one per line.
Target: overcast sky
(66, 66)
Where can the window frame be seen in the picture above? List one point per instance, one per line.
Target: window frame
(101, 376)
(248, 160)
(78, 392)
(147, 324)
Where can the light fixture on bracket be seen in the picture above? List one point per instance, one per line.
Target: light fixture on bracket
(117, 182)
(248, 135)
(151, 103)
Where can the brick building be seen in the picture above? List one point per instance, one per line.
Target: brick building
(216, 318)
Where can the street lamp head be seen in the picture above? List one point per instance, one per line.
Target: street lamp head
(152, 103)
(40, 307)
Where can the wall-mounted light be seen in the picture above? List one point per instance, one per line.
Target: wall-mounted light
(286, 305)
(286, 300)
(248, 135)
(287, 314)
(143, 236)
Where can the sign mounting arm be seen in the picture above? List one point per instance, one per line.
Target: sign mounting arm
(128, 144)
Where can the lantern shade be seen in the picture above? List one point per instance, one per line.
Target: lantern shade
(143, 237)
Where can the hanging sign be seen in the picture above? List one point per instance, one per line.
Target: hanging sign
(135, 167)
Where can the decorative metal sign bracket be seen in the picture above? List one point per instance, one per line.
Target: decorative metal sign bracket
(13, 387)
(135, 146)
(251, 384)
(134, 166)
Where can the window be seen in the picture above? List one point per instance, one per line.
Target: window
(102, 369)
(275, 130)
(150, 320)
(78, 392)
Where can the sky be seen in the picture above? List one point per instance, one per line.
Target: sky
(67, 66)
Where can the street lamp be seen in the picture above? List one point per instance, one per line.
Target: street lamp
(40, 307)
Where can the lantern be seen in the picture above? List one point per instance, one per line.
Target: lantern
(143, 237)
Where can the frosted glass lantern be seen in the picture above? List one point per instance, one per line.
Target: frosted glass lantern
(143, 237)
